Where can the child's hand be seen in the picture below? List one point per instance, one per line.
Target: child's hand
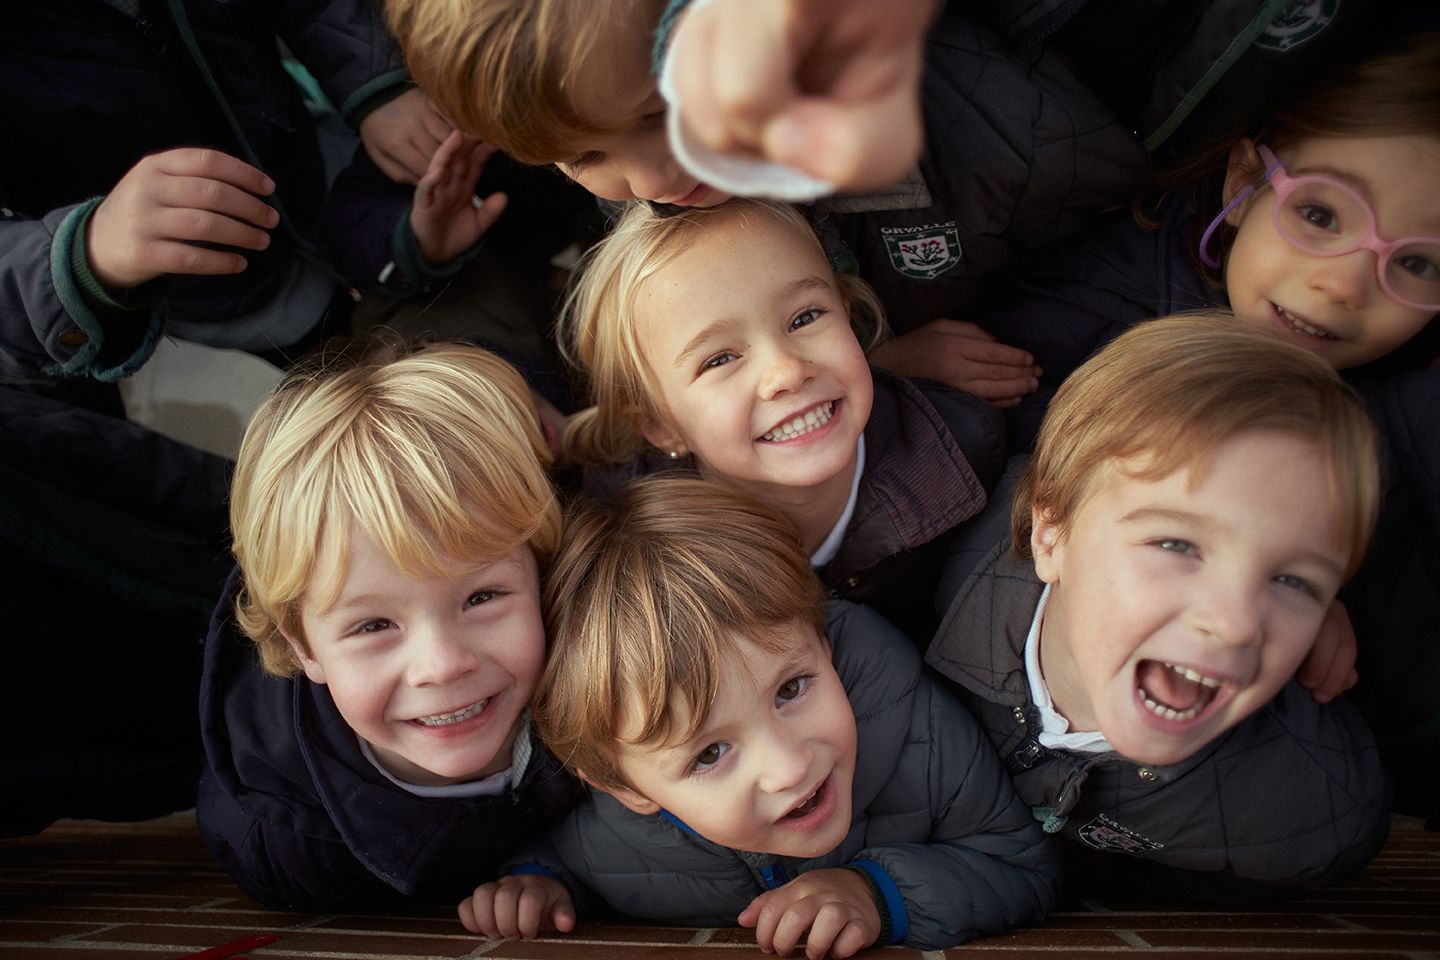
(964, 356)
(518, 906)
(829, 87)
(402, 135)
(445, 217)
(834, 905)
(150, 223)
(1329, 669)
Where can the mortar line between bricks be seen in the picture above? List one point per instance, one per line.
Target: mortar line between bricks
(933, 955)
(701, 936)
(97, 947)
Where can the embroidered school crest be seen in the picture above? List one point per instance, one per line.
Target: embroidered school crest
(925, 251)
(1298, 22)
(1102, 833)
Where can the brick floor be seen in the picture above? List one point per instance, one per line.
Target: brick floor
(148, 890)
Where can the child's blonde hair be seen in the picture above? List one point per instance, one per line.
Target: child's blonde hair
(428, 452)
(645, 602)
(1173, 390)
(506, 70)
(598, 331)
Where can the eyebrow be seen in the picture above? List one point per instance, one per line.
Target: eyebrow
(792, 289)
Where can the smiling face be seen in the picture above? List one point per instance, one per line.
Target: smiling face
(1178, 607)
(632, 161)
(770, 769)
(1333, 306)
(759, 373)
(432, 671)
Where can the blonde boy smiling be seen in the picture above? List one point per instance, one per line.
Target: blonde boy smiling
(752, 761)
(391, 515)
(1198, 493)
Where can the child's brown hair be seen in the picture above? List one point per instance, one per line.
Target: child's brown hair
(1174, 389)
(647, 597)
(506, 70)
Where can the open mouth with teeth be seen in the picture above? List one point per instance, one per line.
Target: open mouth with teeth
(1301, 325)
(811, 420)
(1175, 693)
(455, 716)
(809, 805)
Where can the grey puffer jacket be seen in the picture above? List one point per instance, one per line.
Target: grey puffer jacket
(1292, 796)
(936, 826)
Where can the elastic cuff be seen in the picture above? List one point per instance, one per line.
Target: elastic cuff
(894, 920)
(376, 93)
(413, 273)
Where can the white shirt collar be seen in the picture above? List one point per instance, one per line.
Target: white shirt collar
(831, 546)
(1054, 728)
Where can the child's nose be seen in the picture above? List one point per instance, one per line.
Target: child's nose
(784, 373)
(650, 175)
(437, 657)
(785, 764)
(1228, 615)
(1345, 279)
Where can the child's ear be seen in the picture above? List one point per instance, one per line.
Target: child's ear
(1243, 169)
(664, 438)
(629, 799)
(1045, 546)
(311, 666)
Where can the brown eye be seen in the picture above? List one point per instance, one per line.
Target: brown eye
(710, 756)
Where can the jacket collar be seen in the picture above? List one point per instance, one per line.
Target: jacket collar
(910, 455)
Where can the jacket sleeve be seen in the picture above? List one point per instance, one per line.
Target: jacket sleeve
(986, 866)
(347, 47)
(48, 327)
(282, 867)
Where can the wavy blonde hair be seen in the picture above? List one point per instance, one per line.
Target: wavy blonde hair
(1172, 390)
(597, 330)
(431, 453)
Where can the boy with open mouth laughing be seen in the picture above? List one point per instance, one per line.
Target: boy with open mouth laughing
(1198, 493)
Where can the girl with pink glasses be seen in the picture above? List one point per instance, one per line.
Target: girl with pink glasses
(1319, 223)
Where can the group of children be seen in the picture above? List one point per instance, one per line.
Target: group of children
(806, 653)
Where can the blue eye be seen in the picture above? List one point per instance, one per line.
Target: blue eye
(1297, 583)
(709, 756)
(1182, 547)
(792, 689)
(805, 317)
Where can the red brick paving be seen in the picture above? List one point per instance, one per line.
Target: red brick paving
(148, 891)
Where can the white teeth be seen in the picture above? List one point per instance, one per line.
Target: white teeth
(1194, 677)
(1303, 327)
(802, 425)
(1160, 710)
(444, 719)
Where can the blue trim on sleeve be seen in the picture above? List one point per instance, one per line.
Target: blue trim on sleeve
(894, 902)
(532, 868)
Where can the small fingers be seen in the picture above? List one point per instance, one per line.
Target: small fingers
(173, 256)
(790, 926)
(490, 210)
(507, 909)
(212, 165)
(856, 936)
(217, 196)
(202, 226)
(1009, 388)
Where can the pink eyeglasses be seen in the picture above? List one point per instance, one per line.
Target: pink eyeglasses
(1322, 216)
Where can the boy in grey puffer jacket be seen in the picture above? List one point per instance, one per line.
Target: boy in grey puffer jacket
(752, 762)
